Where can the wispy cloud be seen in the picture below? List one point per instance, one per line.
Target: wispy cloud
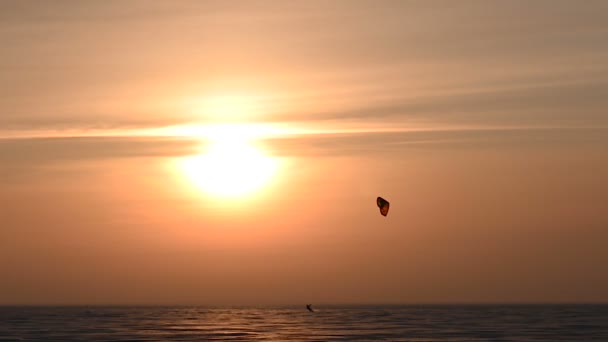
(116, 66)
(36, 151)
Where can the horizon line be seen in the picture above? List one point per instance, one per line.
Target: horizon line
(463, 303)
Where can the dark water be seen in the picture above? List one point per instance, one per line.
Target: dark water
(334, 323)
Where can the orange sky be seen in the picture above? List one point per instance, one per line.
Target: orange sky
(213, 153)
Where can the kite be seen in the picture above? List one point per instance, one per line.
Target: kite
(383, 205)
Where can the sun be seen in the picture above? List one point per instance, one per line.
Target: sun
(231, 166)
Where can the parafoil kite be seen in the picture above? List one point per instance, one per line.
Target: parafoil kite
(383, 205)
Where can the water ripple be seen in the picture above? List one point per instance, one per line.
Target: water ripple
(351, 323)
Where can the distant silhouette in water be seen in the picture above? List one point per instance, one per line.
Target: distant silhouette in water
(309, 307)
(383, 205)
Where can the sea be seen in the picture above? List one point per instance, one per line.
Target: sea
(295, 323)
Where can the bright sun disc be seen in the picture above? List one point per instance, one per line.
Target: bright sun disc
(230, 168)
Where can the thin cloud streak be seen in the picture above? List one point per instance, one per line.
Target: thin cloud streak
(39, 150)
(273, 130)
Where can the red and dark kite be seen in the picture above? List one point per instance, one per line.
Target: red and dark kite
(383, 205)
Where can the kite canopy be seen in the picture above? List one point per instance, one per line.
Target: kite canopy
(383, 205)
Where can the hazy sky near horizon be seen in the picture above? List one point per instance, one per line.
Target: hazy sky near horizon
(484, 123)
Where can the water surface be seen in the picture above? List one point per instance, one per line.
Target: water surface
(328, 323)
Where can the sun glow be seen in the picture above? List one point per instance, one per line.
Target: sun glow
(231, 166)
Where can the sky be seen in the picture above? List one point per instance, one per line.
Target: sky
(231, 153)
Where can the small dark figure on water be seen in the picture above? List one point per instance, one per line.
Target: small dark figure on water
(309, 307)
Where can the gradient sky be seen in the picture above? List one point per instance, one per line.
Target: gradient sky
(484, 123)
